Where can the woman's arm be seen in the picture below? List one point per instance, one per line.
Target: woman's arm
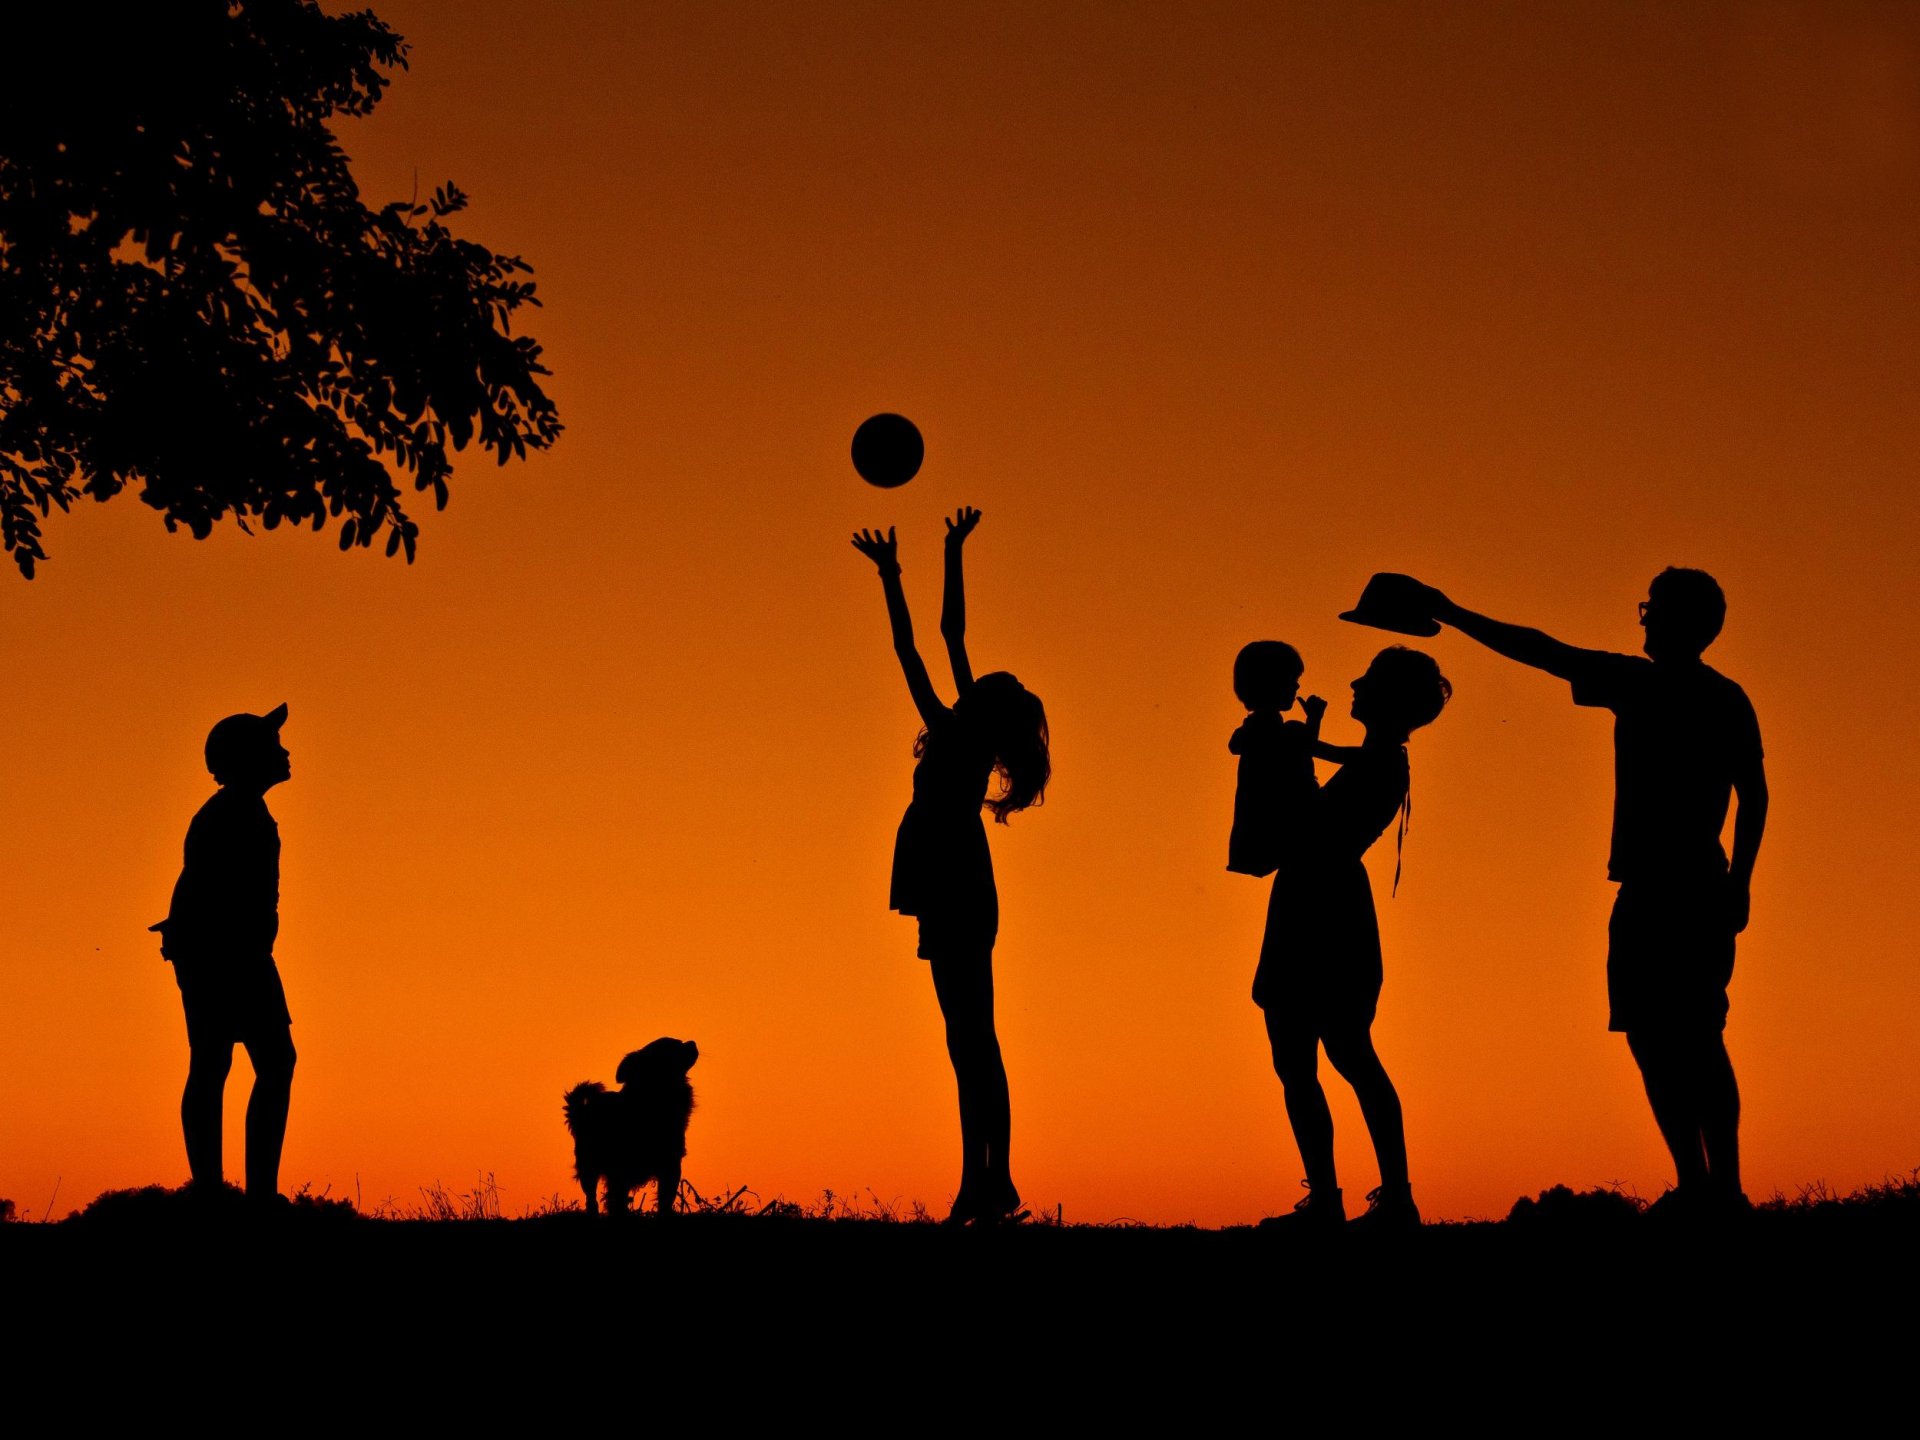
(953, 600)
(1339, 754)
(884, 551)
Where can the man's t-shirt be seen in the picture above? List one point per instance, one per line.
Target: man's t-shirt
(1681, 733)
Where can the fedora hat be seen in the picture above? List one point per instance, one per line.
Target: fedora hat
(1394, 602)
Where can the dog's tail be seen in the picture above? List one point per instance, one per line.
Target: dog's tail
(577, 1101)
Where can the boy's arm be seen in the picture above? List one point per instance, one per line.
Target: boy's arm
(1316, 710)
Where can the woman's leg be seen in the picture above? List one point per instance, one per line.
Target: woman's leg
(1296, 1060)
(964, 985)
(1351, 1053)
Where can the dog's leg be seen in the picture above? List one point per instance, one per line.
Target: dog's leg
(668, 1188)
(590, 1187)
(619, 1197)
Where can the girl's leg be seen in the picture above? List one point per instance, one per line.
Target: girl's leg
(964, 985)
(1296, 1060)
(1352, 1054)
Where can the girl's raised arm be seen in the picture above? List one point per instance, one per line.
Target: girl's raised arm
(953, 602)
(884, 551)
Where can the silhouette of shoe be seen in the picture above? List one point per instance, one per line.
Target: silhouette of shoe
(1390, 1210)
(271, 1208)
(1682, 1205)
(1318, 1212)
(966, 1209)
(1004, 1209)
(1697, 1207)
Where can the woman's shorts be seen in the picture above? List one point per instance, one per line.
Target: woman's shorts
(1669, 956)
(958, 935)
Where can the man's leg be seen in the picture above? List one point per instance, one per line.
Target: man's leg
(1720, 1116)
(200, 1118)
(272, 1056)
(1671, 1077)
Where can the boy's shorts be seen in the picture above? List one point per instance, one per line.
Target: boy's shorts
(230, 1004)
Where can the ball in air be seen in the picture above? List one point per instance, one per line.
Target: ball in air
(887, 450)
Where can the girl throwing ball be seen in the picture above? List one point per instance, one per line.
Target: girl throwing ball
(942, 868)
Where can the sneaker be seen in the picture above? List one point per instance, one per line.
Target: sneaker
(1389, 1211)
(1318, 1210)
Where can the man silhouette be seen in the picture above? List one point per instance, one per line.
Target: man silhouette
(1686, 741)
(219, 934)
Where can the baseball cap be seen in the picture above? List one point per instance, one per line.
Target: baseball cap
(233, 740)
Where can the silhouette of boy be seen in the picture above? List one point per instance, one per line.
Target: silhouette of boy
(219, 934)
(1275, 778)
(1686, 743)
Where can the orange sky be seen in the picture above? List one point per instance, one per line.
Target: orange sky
(1213, 311)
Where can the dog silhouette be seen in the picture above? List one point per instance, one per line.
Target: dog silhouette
(637, 1133)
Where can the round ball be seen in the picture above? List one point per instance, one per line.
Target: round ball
(887, 450)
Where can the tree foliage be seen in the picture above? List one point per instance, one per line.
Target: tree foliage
(195, 302)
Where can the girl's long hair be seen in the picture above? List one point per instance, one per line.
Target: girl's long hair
(1013, 723)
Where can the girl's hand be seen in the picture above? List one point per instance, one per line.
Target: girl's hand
(883, 550)
(962, 525)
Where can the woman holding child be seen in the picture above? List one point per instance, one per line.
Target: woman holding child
(1320, 971)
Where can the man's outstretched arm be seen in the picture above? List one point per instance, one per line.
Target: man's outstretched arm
(1516, 642)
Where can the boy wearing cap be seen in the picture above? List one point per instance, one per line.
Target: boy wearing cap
(219, 935)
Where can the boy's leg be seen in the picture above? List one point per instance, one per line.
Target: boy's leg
(1352, 1054)
(200, 1111)
(1296, 1060)
(272, 1056)
(1672, 1083)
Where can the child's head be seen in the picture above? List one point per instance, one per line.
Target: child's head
(244, 751)
(1266, 675)
(1014, 723)
(1402, 690)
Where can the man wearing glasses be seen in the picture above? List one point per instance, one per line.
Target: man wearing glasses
(1685, 742)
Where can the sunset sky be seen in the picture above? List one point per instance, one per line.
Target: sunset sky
(1213, 310)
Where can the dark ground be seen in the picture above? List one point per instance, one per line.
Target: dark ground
(1575, 1312)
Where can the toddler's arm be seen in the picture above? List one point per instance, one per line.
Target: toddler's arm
(1316, 709)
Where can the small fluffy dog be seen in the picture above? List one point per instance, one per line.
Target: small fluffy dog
(636, 1133)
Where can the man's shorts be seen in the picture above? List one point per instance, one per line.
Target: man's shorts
(231, 1004)
(1669, 956)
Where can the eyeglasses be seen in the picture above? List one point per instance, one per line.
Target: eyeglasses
(1643, 610)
